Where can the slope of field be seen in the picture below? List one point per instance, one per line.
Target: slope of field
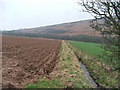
(26, 59)
(101, 70)
(67, 74)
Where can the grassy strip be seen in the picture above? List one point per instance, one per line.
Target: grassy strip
(101, 72)
(66, 74)
(46, 83)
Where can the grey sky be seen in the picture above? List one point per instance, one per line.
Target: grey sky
(15, 14)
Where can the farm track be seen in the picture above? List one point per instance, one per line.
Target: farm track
(26, 59)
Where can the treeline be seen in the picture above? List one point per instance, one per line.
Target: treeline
(84, 38)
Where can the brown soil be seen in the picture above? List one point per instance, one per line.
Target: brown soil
(26, 59)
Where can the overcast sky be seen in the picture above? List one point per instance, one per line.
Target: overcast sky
(16, 14)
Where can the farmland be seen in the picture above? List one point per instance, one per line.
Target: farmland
(26, 59)
(50, 63)
(40, 63)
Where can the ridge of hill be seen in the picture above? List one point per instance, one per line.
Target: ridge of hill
(78, 31)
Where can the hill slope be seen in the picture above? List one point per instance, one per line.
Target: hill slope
(71, 28)
(79, 31)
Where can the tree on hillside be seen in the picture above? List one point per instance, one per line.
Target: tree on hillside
(107, 21)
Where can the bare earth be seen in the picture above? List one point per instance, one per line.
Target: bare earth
(26, 59)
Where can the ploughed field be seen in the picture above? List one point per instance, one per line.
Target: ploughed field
(26, 59)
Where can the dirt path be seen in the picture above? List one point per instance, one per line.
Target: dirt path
(84, 69)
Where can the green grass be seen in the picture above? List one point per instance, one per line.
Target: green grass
(102, 72)
(95, 51)
(45, 83)
(91, 49)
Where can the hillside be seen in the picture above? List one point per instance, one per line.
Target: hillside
(78, 31)
(71, 28)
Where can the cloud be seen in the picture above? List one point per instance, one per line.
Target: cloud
(31, 13)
